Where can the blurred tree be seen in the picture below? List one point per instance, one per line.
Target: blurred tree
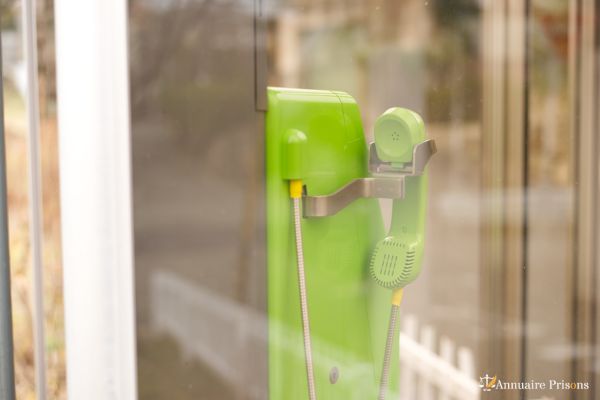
(451, 13)
(46, 58)
(10, 14)
(187, 60)
(454, 69)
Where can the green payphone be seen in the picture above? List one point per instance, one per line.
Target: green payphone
(330, 264)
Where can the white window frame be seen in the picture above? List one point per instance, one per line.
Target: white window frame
(95, 174)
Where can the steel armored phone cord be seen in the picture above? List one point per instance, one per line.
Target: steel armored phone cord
(296, 195)
(389, 344)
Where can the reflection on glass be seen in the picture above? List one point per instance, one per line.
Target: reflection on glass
(197, 200)
(199, 179)
(551, 191)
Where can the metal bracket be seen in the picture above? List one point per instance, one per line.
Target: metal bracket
(386, 182)
(422, 152)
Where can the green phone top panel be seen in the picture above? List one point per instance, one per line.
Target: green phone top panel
(317, 136)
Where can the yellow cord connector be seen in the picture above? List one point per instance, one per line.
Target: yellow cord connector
(397, 296)
(296, 188)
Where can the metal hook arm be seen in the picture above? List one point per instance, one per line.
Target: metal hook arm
(387, 182)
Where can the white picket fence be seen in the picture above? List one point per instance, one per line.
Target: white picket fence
(426, 374)
(221, 329)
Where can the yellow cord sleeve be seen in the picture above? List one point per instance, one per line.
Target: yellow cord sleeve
(397, 296)
(296, 188)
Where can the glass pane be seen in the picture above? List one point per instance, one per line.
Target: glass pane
(201, 183)
(550, 174)
(197, 185)
(196, 159)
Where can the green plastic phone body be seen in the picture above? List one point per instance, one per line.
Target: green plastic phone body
(317, 136)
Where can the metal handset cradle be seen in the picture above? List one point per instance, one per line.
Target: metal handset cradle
(384, 182)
